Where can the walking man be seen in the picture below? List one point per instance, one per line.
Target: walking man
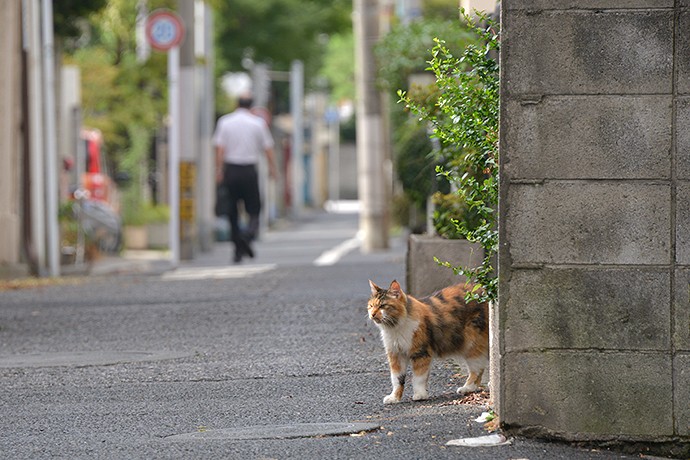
(240, 139)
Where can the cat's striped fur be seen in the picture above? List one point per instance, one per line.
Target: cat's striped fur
(442, 325)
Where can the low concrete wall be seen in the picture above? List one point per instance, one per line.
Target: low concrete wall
(424, 275)
(158, 236)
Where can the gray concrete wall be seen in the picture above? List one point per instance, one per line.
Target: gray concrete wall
(424, 275)
(10, 218)
(347, 172)
(593, 321)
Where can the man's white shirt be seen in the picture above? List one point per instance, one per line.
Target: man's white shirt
(243, 136)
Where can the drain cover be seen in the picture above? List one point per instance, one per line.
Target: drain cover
(295, 430)
(85, 358)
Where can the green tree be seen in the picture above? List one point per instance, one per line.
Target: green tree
(441, 9)
(277, 31)
(405, 49)
(124, 98)
(118, 91)
(402, 53)
(337, 68)
(68, 13)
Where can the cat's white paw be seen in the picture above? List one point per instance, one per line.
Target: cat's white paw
(391, 399)
(420, 395)
(467, 389)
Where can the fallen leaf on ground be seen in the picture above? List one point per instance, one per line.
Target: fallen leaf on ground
(492, 425)
(479, 398)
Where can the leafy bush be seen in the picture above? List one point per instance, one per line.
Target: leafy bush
(451, 212)
(402, 53)
(147, 213)
(465, 120)
(414, 162)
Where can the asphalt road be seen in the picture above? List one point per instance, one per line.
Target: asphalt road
(219, 361)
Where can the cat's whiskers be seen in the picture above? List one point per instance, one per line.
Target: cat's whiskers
(389, 321)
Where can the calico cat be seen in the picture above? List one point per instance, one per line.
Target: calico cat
(442, 325)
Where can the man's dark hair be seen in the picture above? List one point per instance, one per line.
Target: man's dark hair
(245, 102)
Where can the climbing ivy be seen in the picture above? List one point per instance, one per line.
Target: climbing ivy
(465, 120)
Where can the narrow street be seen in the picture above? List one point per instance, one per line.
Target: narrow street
(220, 361)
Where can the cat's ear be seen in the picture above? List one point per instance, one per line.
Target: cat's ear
(395, 290)
(374, 288)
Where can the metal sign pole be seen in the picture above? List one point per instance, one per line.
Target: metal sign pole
(174, 152)
(165, 32)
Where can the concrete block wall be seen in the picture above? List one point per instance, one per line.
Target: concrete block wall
(592, 327)
(424, 276)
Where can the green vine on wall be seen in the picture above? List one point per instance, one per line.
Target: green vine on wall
(465, 120)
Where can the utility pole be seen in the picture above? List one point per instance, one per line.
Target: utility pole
(188, 133)
(297, 160)
(206, 183)
(11, 97)
(371, 157)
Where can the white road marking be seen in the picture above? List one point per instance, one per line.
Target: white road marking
(216, 273)
(333, 255)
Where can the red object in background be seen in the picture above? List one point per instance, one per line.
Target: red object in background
(94, 142)
(67, 163)
(98, 212)
(95, 180)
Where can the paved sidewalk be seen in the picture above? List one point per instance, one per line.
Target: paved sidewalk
(321, 237)
(271, 358)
